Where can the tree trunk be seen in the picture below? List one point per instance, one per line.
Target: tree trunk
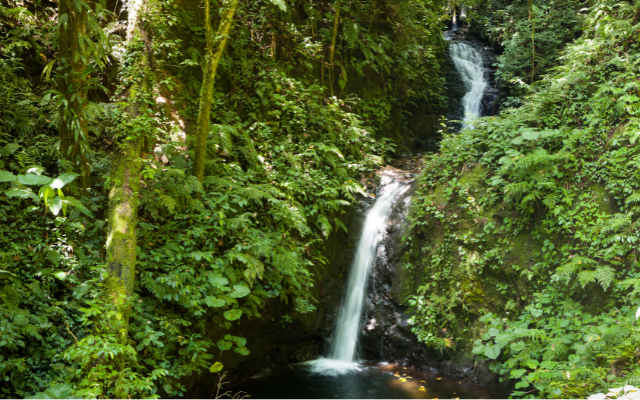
(125, 186)
(73, 126)
(206, 93)
(332, 49)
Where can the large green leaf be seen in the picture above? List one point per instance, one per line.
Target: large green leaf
(10, 149)
(32, 179)
(517, 373)
(77, 204)
(55, 205)
(56, 392)
(233, 315)
(21, 194)
(60, 275)
(536, 312)
(6, 176)
(239, 291)
(242, 350)
(530, 134)
(517, 347)
(223, 345)
(64, 180)
(214, 302)
(492, 352)
(218, 280)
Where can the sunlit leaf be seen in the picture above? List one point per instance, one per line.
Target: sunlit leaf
(216, 367)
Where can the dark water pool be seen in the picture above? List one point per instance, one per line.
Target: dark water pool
(375, 381)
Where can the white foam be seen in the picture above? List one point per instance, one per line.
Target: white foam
(328, 366)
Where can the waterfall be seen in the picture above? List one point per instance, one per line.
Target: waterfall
(469, 64)
(343, 350)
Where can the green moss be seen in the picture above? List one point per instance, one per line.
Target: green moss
(605, 202)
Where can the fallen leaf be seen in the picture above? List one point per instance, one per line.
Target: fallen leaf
(439, 379)
(424, 381)
(422, 389)
(402, 380)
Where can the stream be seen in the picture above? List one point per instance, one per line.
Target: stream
(345, 372)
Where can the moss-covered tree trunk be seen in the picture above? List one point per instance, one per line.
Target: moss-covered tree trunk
(125, 180)
(125, 172)
(215, 49)
(72, 125)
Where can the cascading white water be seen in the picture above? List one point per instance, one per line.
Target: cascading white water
(343, 350)
(469, 64)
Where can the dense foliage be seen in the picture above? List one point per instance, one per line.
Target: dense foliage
(292, 134)
(530, 37)
(535, 216)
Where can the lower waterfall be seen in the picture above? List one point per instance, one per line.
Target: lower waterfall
(343, 350)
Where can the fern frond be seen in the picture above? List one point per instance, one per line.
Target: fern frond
(325, 225)
(616, 222)
(634, 198)
(253, 194)
(168, 202)
(605, 276)
(341, 225)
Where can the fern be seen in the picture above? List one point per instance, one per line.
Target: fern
(603, 275)
(551, 200)
(615, 223)
(168, 202)
(223, 135)
(325, 226)
(341, 225)
(634, 198)
(351, 33)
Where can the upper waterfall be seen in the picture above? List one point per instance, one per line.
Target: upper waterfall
(470, 65)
